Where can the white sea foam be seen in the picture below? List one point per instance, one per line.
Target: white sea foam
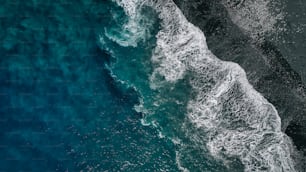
(135, 29)
(255, 17)
(178, 162)
(239, 122)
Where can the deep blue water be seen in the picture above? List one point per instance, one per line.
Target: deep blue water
(60, 108)
(80, 90)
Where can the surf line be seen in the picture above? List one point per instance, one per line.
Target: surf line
(239, 121)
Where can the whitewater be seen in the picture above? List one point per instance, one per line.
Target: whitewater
(237, 121)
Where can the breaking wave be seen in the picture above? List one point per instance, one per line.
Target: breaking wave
(236, 120)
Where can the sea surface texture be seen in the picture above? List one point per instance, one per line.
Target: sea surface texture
(152, 85)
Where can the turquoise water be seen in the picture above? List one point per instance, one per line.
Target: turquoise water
(132, 66)
(92, 86)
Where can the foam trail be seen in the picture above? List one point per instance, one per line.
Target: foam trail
(237, 120)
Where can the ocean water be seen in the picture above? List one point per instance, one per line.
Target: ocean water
(61, 109)
(203, 104)
(131, 85)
